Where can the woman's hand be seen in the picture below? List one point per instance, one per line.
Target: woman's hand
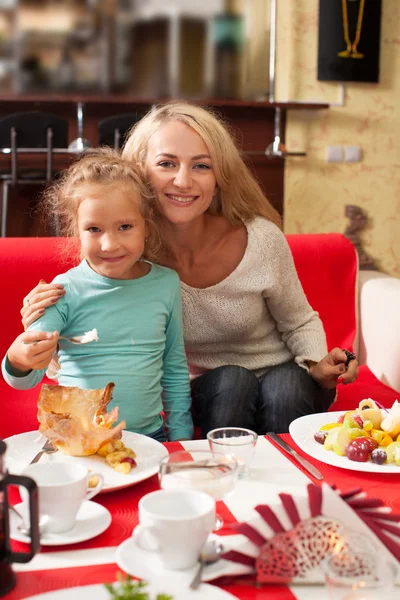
(32, 350)
(38, 299)
(332, 369)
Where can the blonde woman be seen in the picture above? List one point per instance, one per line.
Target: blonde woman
(256, 350)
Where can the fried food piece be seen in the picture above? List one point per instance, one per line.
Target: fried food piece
(118, 456)
(76, 420)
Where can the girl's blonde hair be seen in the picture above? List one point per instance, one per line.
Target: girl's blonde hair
(239, 197)
(99, 171)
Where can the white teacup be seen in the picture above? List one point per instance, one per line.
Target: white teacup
(175, 525)
(62, 489)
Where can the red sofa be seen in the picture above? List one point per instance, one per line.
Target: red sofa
(327, 266)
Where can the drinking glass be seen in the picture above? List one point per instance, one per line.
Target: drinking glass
(210, 472)
(237, 442)
(358, 576)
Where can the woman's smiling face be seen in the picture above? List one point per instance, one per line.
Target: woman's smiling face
(179, 168)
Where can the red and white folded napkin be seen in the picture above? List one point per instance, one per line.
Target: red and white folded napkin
(286, 543)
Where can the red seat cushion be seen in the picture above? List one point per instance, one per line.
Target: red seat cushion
(326, 264)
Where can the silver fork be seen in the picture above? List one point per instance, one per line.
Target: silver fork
(76, 339)
(47, 448)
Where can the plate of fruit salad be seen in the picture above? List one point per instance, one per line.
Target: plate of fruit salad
(364, 439)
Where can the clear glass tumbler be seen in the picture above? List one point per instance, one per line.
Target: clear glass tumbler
(237, 442)
(201, 470)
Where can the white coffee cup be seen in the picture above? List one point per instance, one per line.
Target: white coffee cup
(62, 488)
(175, 525)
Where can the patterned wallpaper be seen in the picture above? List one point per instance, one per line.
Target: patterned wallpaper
(316, 192)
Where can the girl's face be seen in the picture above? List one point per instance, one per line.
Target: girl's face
(112, 233)
(179, 167)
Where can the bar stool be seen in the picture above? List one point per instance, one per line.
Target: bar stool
(112, 130)
(32, 133)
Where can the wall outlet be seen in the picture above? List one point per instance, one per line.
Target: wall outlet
(352, 153)
(334, 153)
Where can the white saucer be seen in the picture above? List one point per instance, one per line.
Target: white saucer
(204, 592)
(92, 519)
(147, 565)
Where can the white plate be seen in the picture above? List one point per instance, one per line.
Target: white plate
(22, 448)
(302, 431)
(147, 565)
(91, 520)
(204, 592)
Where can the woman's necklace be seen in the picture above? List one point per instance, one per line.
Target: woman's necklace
(351, 49)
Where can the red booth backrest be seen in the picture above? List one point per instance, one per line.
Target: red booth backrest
(326, 264)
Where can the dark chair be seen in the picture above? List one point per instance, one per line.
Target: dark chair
(30, 133)
(112, 130)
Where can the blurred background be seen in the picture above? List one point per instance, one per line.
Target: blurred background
(145, 48)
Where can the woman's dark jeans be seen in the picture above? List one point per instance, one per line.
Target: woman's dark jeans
(232, 396)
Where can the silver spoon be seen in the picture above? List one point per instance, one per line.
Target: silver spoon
(22, 527)
(209, 554)
(76, 339)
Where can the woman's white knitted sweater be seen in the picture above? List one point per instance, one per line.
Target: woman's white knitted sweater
(258, 316)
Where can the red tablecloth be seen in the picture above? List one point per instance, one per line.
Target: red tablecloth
(123, 506)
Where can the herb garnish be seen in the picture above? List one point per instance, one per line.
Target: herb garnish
(127, 589)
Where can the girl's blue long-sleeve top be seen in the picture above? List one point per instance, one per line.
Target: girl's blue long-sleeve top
(140, 347)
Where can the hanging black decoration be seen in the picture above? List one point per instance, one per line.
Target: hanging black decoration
(349, 40)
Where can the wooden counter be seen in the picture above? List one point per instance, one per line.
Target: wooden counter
(252, 122)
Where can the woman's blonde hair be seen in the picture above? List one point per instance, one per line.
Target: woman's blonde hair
(99, 171)
(239, 197)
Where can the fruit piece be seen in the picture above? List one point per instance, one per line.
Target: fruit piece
(360, 449)
(377, 435)
(368, 443)
(358, 420)
(386, 440)
(118, 445)
(328, 426)
(319, 436)
(115, 457)
(367, 425)
(349, 413)
(129, 460)
(355, 432)
(331, 438)
(342, 440)
(351, 423)
(393, 452)
(105, 449)
(370, 411)
(391, 422)
(93, 481)
(378, 456)
(341, 418)
(122, 467)
(356, 454)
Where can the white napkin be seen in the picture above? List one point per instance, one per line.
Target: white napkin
(333, 507)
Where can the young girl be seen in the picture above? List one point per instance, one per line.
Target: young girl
(134, 305)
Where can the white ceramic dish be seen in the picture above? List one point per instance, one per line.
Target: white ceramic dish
(147, 565)
(174, 588)
(302, 431)
(91, 520)
(22, 448)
